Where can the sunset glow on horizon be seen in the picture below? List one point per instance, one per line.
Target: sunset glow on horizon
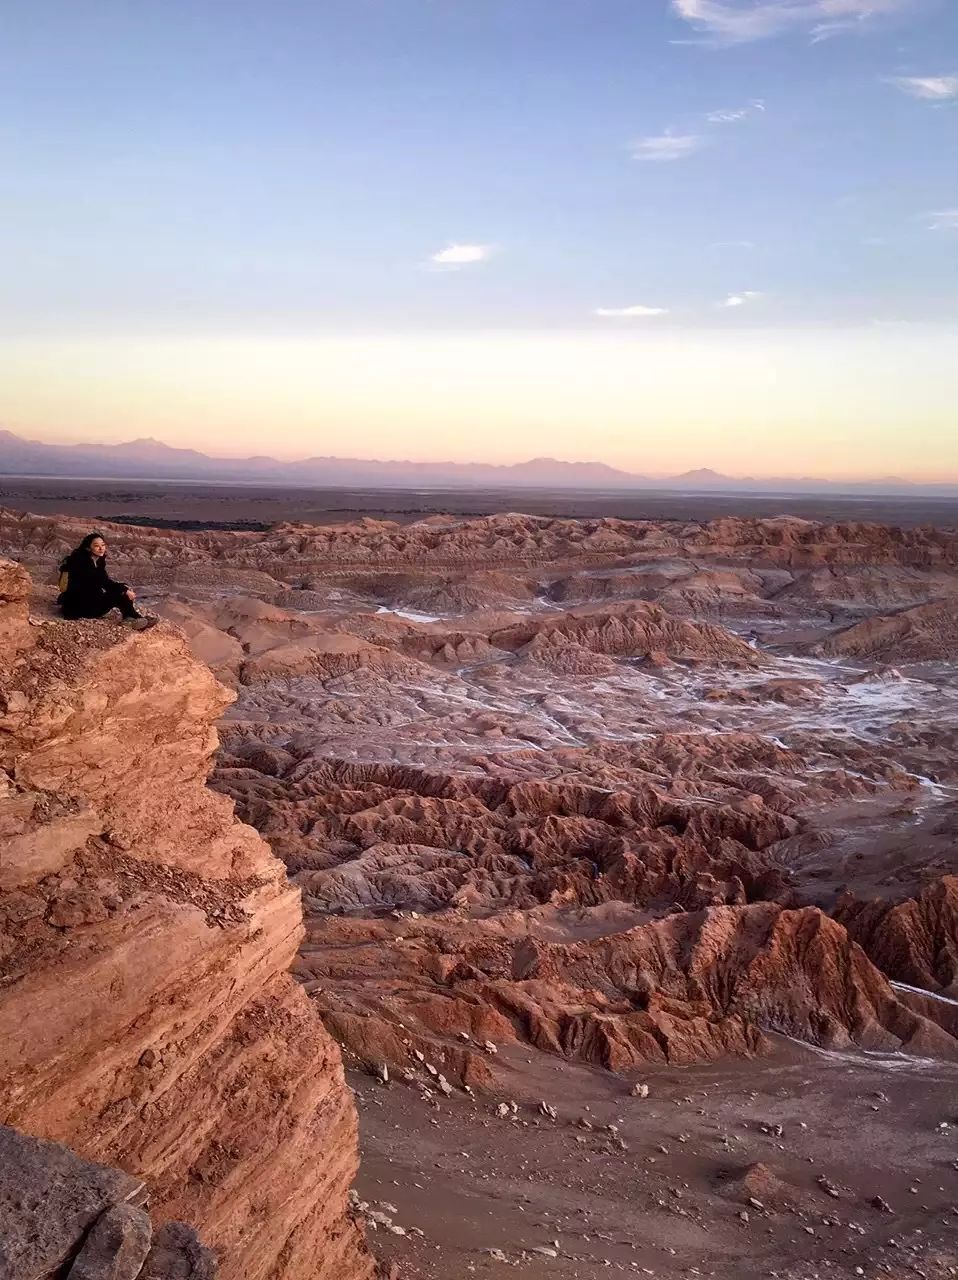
(782, 403)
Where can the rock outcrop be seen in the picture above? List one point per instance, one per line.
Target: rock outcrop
(147, 1016)
(925, 633)
(64, 1217)
(914, 941)
(629, 631)
(704, 984)
(693, 987)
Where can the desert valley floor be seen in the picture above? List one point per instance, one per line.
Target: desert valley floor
(628, 855)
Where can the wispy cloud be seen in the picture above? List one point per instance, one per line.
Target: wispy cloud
(454, 256)
(666, 146)
(626, 313)
(741, 21)
(928, 88)
(735, 114)
(671, 145)
(741, 299)
(944, 220)
(732, 244)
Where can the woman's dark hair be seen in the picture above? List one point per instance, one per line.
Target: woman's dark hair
(82, 549)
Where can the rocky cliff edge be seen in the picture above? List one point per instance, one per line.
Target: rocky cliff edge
(147, 1015)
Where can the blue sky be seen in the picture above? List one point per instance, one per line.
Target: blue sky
(206, 169)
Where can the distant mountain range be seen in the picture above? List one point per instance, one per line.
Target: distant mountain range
(149, 459)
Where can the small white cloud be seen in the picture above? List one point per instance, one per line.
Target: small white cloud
(624, 313)
(740, 21)
(740, 299)
(461, 255)
(944, 220)
(666, 146)
(735, 114)
(727, 117)
(928, 88)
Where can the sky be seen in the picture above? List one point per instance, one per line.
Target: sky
(659, 233)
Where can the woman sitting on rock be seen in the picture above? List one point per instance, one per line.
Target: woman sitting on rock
(88, 591)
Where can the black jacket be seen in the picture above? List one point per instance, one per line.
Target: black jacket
(90, 589)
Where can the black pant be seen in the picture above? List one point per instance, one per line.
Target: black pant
(96, 606)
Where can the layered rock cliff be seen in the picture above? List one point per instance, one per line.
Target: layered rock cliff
(147, 1015)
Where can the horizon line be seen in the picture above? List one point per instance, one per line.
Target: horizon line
(622, 470)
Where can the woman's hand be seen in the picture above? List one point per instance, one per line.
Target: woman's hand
(130, 593)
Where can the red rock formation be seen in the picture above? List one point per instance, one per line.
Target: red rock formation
(491, 868)
(921, 634)
(693, 987)
(433, 547)
(147, 1018)
(700, 985)
(915, 941)
(629, 631)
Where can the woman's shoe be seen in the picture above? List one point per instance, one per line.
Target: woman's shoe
(140, 624)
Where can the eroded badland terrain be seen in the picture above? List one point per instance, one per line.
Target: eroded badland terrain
(627, 853)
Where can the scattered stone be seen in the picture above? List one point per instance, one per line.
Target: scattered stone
(177, 1252)
(116, 1246)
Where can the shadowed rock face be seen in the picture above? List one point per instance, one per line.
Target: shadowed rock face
(914, 941)
(147, 1018)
